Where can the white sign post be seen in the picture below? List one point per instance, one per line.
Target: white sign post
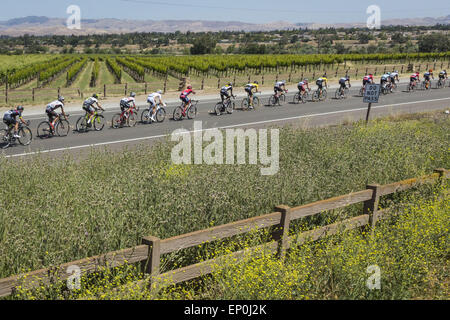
(371, 95)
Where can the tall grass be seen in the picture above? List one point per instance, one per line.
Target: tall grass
(58, 210)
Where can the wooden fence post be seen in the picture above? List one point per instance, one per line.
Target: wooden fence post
(32, 94)
(371, 206)
(218, 83)
(203, 83)
(281, 234)
(151, 266)
(59, 92)
(104, 90)
(126, 88)
(146, 87)
(6, 89)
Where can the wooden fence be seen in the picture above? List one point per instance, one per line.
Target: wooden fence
(150, 251)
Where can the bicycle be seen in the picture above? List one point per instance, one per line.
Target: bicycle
(441, 83)
(98, 120)
(160, 114)
(245, 104)
(274, 99)
(128, 117)
(426, 85)
(61, 128)
(341, 93)
(301, 97)
(226, 106)
(386, 88)
(318, 96)
(411, 86)
(7, 136)
(185, 111)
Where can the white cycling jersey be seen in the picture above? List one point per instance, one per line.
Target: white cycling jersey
(279, 84)
(91, 101)
(151, 97)
(385, 76)
(55, 105)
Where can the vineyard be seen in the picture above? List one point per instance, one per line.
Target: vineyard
(37, 77)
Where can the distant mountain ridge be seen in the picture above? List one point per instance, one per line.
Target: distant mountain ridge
(34, 25)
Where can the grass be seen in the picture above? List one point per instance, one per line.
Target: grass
(68, 209)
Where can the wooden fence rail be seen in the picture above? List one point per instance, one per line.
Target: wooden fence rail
(150, 251)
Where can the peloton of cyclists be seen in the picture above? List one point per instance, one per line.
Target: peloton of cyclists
(90, 105)
(152, 99)
(51, 113)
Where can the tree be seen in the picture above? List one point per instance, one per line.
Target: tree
(434, 43)
(204, 45)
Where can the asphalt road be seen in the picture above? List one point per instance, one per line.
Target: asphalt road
(331, 111)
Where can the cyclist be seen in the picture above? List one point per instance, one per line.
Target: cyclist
(51, 113)
(224, 92)
(413, 79)
(151, 99)
(9, 118)
(184, 96)
(320, 83)
(301, 86)
(127, 103)
(395, 77)
(443, 75)
(343, 83)
(249, 89)
(280, 86)
(89, 107)
(385, 80)
(427, 76)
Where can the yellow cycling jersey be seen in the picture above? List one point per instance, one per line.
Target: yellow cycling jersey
(252, 86)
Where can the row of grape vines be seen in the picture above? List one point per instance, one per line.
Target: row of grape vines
(74, 70)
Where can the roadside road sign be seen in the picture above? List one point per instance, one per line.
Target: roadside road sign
(372, 93)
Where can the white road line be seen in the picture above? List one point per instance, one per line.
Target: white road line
(225, 127)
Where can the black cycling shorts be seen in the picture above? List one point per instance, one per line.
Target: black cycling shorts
(9, 121)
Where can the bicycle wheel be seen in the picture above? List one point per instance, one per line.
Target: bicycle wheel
(338, 95)
(178, 114)
(192, 112)
(297, 98)
(99, 122)
(62, 128)
(145, 117)
(361, 92)
(245, 104)
(81, 125)
(132, 120)
(230, 107)
(25, 136)
(116, 121)
(218, 108)
(161, 115)
(256, 102)
(4, 139)
(346, 92)
(282, 99)
(273, 101)
(324, 95)
(43, 130)
(315, 96)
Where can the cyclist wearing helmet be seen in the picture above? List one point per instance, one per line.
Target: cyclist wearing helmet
(443, 75)
(280, 86)
(427, 77)
(184, 96)
(224, 91)
(367, 80)
(9, 118)
(89, 106)
(127, 103)
(151, 99)
(51, 113)
(414, 78)
(343, 82)
(249, 89)
(301, 86)
(320, 82)
(394, 77)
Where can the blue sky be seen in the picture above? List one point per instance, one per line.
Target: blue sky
(230, 10)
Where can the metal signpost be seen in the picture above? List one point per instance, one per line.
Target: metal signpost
(371, 95)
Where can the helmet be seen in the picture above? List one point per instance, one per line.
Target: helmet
(230, 84)
(61, 99)
(255, 82)
(20, 108)
(324, 75)
(431, 70)
(95, 96)
(189, 87)
(159, 92)
(133, 94)
(396, 71)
